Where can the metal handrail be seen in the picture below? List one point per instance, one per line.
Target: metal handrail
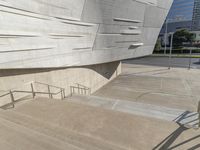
(48, 85)
(18, 87)
(33, 92)
(4, 95)
(83, 86)
(81, 89)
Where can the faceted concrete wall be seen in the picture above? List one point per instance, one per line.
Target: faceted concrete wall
(61, 33)
(93, 77)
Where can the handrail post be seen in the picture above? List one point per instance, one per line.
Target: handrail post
(61, 93)
(49, 91)
(64, 93)
(90, 91)
(78, 89)
(32, 89)
(190, 60)
(85, 91)
(12, 98)
(71, 90)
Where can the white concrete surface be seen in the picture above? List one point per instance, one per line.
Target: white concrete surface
(43, 33)
(92, 77)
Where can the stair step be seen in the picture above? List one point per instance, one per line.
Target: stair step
(25, 138)
(5, 145)
(55, 131)
(80, 126)
(148, 110)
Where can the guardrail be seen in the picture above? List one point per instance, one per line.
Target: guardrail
(80, 89)
(34, 92)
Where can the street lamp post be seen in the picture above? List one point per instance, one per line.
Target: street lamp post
(198, 110)
(170, 53)
(190, 59)
(166, 28)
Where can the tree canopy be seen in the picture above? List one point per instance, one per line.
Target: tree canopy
(182, 36)
(158, 45)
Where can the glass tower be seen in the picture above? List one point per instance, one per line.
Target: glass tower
(196, 16)
(181, 10)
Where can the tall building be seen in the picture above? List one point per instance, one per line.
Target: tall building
(179, 17)
(181, 10)
(196, 16)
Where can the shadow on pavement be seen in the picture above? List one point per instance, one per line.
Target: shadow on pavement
(166, 144)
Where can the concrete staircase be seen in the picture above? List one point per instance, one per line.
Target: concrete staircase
(22, 129)
(182, 117)
(84, 123)
(15, 137)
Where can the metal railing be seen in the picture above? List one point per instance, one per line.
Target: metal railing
(34, 92)
(80, 89)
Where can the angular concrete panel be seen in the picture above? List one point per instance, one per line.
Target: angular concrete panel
(43, 33)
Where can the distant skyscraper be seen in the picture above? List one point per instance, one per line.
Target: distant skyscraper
(196, 16)
(180, 17)
(181, 10)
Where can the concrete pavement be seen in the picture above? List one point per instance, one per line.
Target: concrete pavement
(48, 124)
(177, 88)
(145, 108)
(182, 117)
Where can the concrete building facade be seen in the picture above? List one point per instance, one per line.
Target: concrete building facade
(180, 16)
(43, 33)
(65, 42)
(196, 16)
(181, 10)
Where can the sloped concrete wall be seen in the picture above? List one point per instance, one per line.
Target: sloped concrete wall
(93, 77)
(63, 33)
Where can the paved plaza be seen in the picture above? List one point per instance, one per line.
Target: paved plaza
(145, 108)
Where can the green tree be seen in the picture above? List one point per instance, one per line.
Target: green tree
(158, 45)
(182, 36)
